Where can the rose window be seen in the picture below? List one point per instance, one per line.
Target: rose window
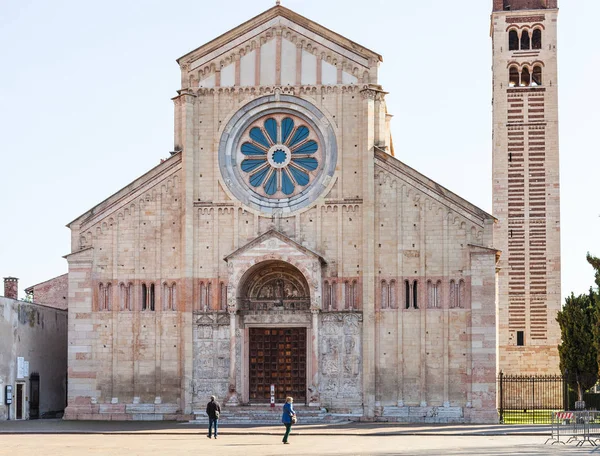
(280, 156)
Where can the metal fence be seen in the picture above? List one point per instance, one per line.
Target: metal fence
(579, 426)
(531, 399)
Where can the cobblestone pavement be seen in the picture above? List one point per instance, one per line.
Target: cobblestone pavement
(249, 445)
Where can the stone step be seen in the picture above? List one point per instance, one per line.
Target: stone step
(269, 416)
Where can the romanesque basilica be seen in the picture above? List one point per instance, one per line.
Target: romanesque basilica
(283, 243)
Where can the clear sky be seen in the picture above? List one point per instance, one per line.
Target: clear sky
(86, 88)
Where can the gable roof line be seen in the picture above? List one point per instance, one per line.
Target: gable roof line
(134, 185)
(280, 236)
(432, 185)
(269, 14)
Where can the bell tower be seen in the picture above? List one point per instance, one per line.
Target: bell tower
(526, 196)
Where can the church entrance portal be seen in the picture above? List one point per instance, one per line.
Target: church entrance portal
(277, 357)
(275, 293)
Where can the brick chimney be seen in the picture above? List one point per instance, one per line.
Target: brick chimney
(11, 287)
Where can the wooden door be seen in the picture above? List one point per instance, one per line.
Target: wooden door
(277, 357)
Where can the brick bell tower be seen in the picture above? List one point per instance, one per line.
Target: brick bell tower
(526, 194)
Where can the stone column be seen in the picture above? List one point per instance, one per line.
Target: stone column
(313, 390)
(232, 397)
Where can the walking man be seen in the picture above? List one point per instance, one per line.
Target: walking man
(213, 410)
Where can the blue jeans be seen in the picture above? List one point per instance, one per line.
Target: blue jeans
(212, 422)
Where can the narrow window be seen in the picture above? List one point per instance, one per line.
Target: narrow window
(223, 296)
(384, 294)
(461, 294)
(407, 293)
(525, 40)
(347, 295)
(415, 297)
(536, 39)
(514, 77)
(452, 294)
(438, 292)
(122, 293)
(355, 295)
(128, 295)
(202, 300)
(326, 295)
(393, 299)
(525, 77)
(166, 299)
(174, 296)
(430, 299)
(513, 40)
(520, 338)
(209, 296)
(537, 76)
(144, 297)
(100, 297)
(333, 296)
(152, 297)
(108, 297)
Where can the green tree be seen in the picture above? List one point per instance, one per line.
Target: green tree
(595, 262)
(579, 348)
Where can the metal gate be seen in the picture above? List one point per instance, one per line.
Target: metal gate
(277, 357)
(531, 399)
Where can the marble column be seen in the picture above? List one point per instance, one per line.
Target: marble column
(313, 390)
(232, 397)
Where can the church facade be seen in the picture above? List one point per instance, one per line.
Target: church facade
(282, 249)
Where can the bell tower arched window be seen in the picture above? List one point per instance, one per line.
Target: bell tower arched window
(536, 39)
(513, 40)
(525, 40)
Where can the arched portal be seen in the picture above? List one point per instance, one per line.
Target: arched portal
(273, 285)
(271, 295)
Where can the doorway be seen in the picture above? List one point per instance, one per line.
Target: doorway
(20, 402)
(277, 357)
(34, 396)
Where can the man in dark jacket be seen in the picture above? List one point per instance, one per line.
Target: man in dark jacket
(213, 410)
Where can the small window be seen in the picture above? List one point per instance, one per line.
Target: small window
(144, 297)
(513, 40)
(407, 293)
(151, 303)
(525, 77)
(537, 76)
(536, 39)
(514, 77)
(525, 41)
(520, 338)
(415, 300)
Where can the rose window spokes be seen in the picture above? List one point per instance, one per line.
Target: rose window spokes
(280, 156)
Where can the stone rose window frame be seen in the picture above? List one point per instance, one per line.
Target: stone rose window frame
(254, 114)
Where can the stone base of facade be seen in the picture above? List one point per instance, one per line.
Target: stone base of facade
(437, 415)
(126, 412)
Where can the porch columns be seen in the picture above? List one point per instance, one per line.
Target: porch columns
(232, 398)
(313, 390)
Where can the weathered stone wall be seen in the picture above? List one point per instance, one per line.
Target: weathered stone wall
(126, 303)
(39, 335)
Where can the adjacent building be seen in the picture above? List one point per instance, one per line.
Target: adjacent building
(33, 357)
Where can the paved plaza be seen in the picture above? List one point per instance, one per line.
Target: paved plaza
(55, 437)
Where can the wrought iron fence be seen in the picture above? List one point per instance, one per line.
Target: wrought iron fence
(531, 399)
